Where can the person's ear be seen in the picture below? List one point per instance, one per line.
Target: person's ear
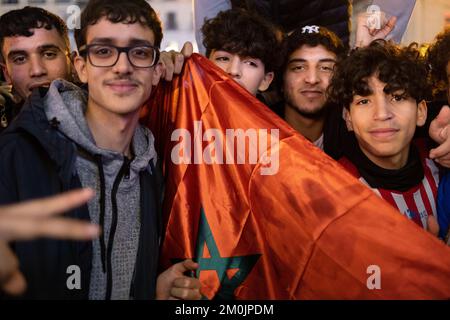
(348, 119)
(72, 73)
(80, 66)
(266, 81)
(157, 72)
(421, 113)
(6, 73)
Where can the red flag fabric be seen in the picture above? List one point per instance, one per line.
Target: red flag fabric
(274, 217)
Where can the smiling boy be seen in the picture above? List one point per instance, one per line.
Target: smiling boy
(383, 90)
(34, 51)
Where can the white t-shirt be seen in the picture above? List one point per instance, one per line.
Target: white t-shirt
(319, 142)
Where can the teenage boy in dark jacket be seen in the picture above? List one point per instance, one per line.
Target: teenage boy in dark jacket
(66, 138)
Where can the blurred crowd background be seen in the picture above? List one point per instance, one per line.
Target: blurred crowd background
(428, 17)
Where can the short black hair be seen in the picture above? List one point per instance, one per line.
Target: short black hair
(129, 12)
(311, 36)
(401, 68)
(438, 56)
(20, 22)
(243, 33)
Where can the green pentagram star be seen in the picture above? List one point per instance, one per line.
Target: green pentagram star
(219, 264)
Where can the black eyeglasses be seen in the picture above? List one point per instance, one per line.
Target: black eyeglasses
(104, 55)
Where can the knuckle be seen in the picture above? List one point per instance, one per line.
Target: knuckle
(185, 294)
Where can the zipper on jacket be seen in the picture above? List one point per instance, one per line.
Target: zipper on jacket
(126, 163)
(123, 170)
(101, 174)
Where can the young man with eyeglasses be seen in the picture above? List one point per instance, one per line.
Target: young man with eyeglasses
(35, 50)
(66, 138)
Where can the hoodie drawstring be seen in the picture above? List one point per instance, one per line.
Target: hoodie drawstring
(98, 159)
(106, 251)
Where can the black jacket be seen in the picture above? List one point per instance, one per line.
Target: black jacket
(37, 161)
(291, 14)
(8, 112)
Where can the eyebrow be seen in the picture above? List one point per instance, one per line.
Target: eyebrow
(49, 46)
(131, 42)
(40, 48)
(304, 60)
(386, 90)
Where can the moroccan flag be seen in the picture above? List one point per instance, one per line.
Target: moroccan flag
(268, 215)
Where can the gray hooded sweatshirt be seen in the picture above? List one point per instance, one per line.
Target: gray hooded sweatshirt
(115, 180)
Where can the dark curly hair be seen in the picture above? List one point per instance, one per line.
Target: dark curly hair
(438, 56)
(21, 22)
(401, 68)
(244, 33)
(130, 11)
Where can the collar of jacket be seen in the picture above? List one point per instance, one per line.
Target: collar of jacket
(32, 120)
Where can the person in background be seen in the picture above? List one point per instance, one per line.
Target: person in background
(245, 46)
(438, 57)
(309, 56)
(34, 51)
(286, 15)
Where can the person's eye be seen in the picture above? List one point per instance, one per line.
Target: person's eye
(49, 54)
(297, 68)
(19, 59)
(222, 59)
(362, 102)
(102, 51)
(142, 52)
(252, 63)
(326, 68)
(398, 97)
